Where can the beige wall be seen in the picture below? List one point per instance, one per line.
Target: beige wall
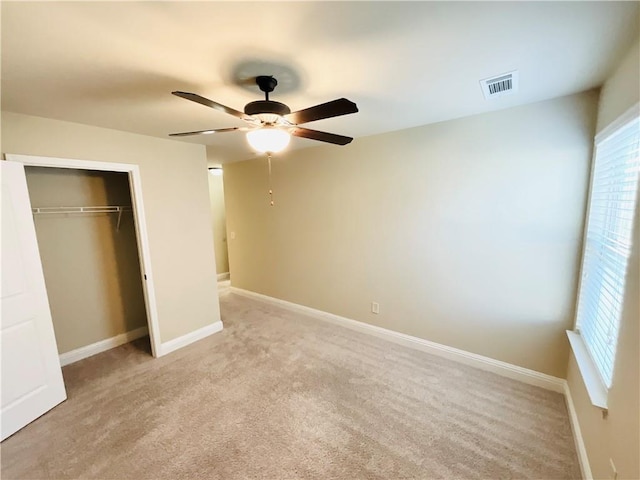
(618, 436)
(218, 219)
(176, 200)
(621, 89)
(91, 269)
(465, 232)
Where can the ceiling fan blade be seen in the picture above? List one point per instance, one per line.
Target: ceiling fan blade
(206, 132)
(321, 136)
(210, 103)
(335, 108)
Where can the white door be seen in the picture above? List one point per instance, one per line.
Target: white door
(31, 376)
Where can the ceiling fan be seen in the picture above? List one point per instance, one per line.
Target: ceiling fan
(271, 123)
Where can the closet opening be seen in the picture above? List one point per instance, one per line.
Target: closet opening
(91, 233)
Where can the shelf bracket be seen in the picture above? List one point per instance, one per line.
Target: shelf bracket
(119, 218)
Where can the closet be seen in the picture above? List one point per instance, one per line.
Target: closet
(87, 241)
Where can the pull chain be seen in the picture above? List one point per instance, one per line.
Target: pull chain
(270, 189)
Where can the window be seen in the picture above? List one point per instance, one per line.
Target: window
(612, 203)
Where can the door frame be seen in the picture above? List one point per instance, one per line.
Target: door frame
(135, 188)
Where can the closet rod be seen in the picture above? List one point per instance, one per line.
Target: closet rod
(97, 209)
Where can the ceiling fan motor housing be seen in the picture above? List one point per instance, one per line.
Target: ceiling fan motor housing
(266, 106)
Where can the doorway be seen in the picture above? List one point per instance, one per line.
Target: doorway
(219, 223)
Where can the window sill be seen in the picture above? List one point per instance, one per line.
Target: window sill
(596, 389)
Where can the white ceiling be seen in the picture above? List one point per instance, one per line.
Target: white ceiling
(405, 64)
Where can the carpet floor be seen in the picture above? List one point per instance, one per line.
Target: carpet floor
(277, 395)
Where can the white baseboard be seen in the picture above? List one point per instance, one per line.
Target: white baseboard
(223, 276)
(581, 450)
(189, 338)
(481, 362)
(102, 346)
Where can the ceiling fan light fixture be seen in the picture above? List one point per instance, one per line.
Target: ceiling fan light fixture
(267, 139)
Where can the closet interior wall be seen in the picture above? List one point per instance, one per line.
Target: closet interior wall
(91, 264)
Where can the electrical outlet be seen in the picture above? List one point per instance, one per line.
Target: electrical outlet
(375, 307)
(233, 235)
(614, 472)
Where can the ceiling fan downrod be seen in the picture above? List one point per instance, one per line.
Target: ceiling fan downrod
(267, 84)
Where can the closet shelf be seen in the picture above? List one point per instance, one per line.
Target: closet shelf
(93, 209)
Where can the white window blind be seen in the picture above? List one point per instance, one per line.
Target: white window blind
(608, 244)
